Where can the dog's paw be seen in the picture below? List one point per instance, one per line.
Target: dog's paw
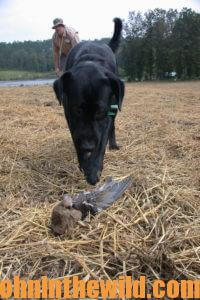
(114, 147)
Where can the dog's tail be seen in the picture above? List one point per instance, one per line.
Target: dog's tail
(115, 40)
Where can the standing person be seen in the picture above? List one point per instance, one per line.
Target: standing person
(63, 40)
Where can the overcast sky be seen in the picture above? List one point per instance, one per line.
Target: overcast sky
(32, 19)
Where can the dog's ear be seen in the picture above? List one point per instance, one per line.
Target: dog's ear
(57, 90)
(117, 86)
(60, 86)
(64, 81)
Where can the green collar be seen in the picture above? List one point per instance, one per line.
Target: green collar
(113, 110)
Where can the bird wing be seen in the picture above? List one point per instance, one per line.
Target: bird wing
(112, 190)
(101, 197)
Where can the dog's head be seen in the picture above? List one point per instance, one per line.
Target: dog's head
(87, 93)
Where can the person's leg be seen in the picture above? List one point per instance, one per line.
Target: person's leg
(62, 62)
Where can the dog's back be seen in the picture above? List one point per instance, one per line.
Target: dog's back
(99, 53)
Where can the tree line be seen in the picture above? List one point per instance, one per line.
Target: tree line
(155, 45)
(27, 56)
(160, 43)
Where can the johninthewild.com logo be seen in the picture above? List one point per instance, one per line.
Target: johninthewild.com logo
(73, 288)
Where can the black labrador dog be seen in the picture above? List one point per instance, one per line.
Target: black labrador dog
(91, 94)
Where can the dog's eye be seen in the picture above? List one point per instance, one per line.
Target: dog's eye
(100, 114)
(78, 111)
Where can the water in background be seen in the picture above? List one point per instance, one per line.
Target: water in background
(27, 82)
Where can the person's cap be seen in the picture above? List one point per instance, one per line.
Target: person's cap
(57, 22)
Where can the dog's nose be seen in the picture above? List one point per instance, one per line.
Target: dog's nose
(92, 180)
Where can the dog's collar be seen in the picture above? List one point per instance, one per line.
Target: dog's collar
(113, 110)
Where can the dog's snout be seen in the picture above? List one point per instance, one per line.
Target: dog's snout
(92, 179)
(88, 146)
(87, 154)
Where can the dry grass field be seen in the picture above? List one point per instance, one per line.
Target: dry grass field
(153, 230)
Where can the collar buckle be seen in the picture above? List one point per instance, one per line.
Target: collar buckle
(113, 110)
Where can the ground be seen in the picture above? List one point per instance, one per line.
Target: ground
(152, 230)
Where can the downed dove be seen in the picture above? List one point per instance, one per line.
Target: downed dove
(74, 208)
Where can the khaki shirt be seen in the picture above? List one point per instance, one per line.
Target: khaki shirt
(63, 45)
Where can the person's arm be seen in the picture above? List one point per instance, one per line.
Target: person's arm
(56, 62)
(56, 58)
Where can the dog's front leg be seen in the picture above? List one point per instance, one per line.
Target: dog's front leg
(112, 139)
